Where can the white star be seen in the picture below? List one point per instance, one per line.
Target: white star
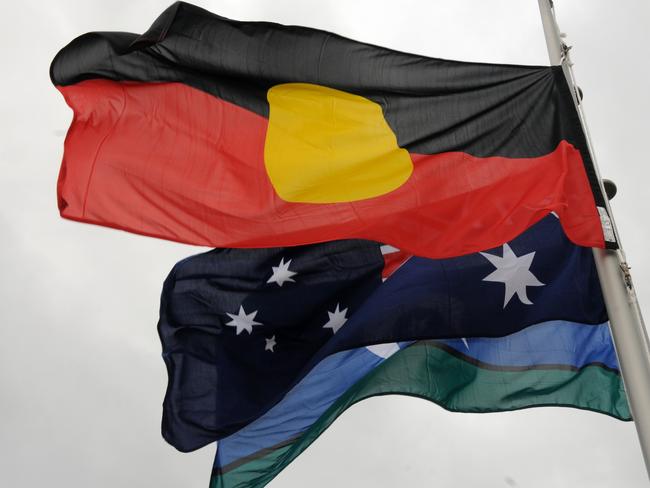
(282, 273)
(336, 319)
(270, 344)
(243, 321)
(514, 272)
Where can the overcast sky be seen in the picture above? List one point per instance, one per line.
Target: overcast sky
(81, 378)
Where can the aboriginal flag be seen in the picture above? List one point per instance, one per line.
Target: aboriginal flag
(210, 131)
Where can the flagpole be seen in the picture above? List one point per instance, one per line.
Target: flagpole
(628, 330)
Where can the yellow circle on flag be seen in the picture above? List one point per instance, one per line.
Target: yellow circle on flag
(328, 146)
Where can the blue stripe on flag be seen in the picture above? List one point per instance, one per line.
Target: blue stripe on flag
(552, 343)
(300, 408)
(555, 342)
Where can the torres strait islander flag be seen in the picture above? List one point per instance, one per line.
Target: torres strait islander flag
(210, 131)
(266, 347)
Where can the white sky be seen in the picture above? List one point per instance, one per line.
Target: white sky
(81, 378)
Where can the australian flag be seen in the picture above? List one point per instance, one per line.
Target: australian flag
(277, 337)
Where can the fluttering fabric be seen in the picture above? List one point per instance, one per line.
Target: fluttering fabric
(266, 347)
(210, 131)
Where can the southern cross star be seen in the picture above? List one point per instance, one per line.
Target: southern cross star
(270, 344)
(243, 321)
(282, 273)
(336, 319)
(514, 272)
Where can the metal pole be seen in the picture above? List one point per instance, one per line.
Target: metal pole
(626, 322)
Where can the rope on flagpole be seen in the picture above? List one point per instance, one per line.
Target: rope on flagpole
(626, 323)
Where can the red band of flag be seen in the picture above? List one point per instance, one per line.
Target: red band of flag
(171, 161)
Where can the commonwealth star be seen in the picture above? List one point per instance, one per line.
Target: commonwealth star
(514, 272)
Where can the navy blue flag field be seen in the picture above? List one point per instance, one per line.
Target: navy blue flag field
(266, 347)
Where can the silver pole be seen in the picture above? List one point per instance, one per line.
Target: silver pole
(626, 322)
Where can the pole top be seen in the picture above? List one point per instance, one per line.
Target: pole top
(610, 188)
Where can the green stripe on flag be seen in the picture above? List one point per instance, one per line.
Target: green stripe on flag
(426, 370)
